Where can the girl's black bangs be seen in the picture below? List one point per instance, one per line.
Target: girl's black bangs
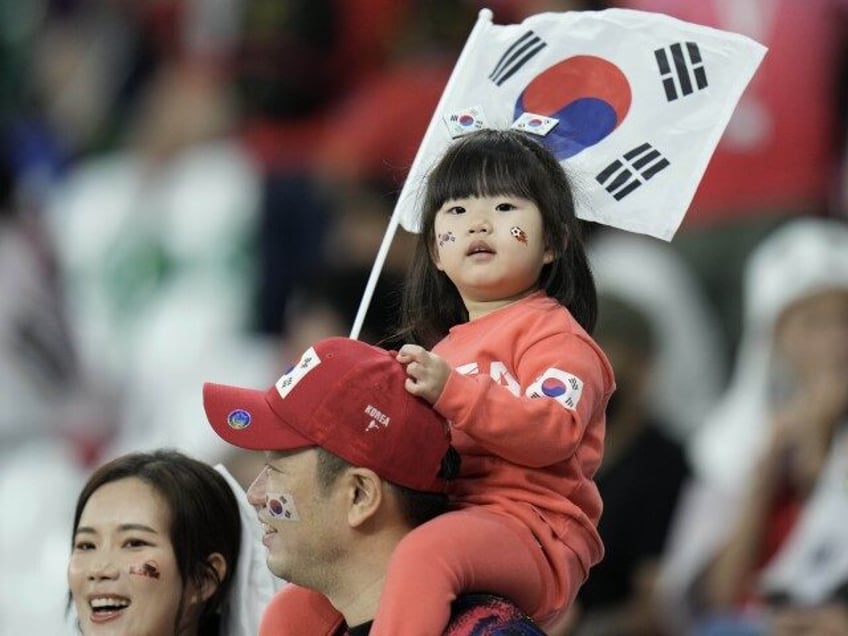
(478, 171)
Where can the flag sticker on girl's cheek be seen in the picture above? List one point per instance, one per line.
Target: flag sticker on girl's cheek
(281, 506)
(446, 238)
(519, 234)
(148, 569)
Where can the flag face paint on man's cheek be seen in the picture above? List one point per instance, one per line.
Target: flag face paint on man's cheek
(281, 506)
(148, 569)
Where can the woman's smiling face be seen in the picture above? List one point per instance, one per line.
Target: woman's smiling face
(123, 574)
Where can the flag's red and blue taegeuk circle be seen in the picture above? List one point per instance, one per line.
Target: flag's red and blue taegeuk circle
(589, 95)
(553, 387)
(276, 507)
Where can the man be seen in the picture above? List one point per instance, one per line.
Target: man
(354, 462)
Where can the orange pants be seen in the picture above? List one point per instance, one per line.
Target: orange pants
(471, 550)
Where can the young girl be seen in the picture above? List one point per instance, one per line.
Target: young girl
(501, 289)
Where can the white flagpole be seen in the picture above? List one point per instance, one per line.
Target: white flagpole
(388, 237)
(484, 17)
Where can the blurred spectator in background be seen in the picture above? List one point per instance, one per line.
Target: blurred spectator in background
(689, 369)
(311, 235)
(640, 480)
(120, 142)
(37, 362)
(296, 60)
(829, 618)
(763, 523)
(76, 69)
(155, 243)
(331, 172)
(325, 303)
(783, 153)
(361, 143)
(47, 431)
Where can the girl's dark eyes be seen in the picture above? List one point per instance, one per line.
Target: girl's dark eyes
(500, 207)
(135, 543)
(83, 546)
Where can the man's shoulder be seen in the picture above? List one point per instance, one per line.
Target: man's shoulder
(489, 615)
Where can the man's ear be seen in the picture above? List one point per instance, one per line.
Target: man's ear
(366, 495)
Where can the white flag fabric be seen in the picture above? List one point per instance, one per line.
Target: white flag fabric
(631, 103)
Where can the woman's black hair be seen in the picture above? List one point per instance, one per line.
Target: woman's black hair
(491, 163)
(204, 518)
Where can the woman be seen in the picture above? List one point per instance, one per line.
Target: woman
(155, 547)
(762, 526)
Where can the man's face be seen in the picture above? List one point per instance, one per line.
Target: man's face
(303, 524)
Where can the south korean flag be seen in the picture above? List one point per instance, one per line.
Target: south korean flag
(559, 385)
(633, 105)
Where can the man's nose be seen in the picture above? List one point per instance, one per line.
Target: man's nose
(256, 491)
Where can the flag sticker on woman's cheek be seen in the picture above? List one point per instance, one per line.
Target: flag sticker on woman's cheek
(148, 569)
(560, 385)
(281, 506)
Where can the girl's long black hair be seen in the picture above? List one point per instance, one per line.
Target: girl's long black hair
(491, 163)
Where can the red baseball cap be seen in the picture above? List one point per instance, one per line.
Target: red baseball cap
(347, 397)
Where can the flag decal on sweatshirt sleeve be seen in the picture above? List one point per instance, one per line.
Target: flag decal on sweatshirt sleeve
(633, 169)
(558, 385)
(679, 69)
(612, 80)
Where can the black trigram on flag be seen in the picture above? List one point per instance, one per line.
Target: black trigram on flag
(632, 170)
(679, 68)
(516, 56)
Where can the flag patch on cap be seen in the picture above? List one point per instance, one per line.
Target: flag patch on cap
(238, 419)
(308, 361)
(535, 124)
(467, 120)
(560, 385)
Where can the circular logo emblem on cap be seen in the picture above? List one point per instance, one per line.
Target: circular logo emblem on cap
(238, 419)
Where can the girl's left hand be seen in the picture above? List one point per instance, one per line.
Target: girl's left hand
(428, 373)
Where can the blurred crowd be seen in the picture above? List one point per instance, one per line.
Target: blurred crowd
(195, 190)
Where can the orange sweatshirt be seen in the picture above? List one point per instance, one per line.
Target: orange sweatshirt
(527, 401)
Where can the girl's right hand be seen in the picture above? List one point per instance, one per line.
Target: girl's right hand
(428, 373)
